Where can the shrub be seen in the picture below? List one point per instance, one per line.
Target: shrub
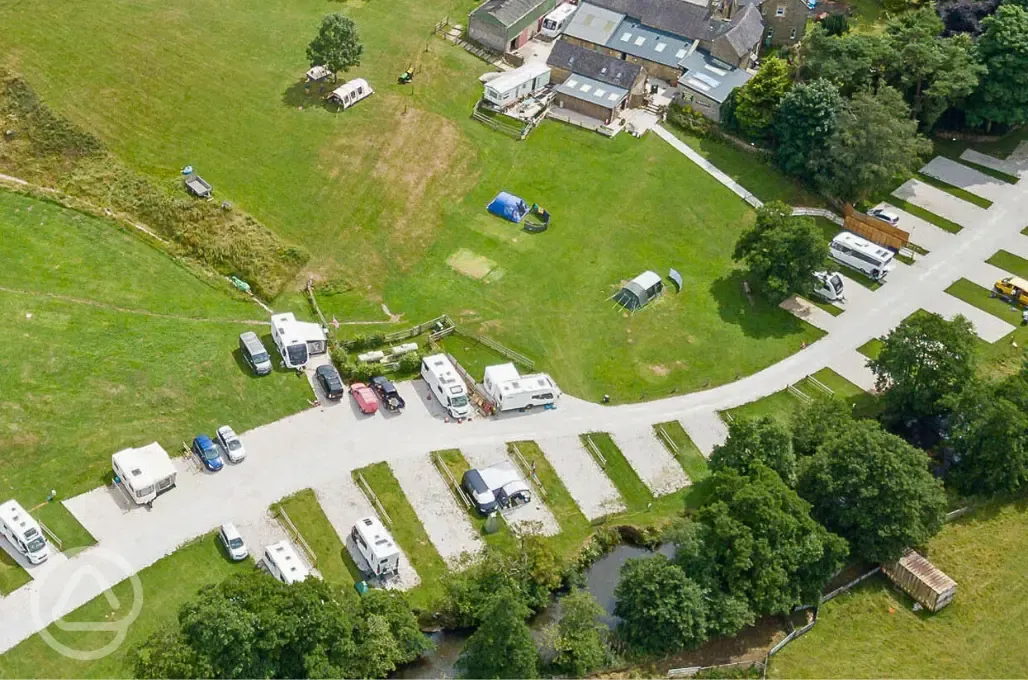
(410, 362)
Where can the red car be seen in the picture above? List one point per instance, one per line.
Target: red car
(366, 400)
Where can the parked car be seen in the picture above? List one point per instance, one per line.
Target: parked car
(884, 215)
(254, 353)
(366, 400)
(330, 381)
(387, 393)
(233, 542)
(230, 444)
(208, 452)
(481, 494)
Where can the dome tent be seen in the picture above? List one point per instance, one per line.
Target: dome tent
(508, 206)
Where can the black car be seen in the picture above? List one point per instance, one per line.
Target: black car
(387, 393)
(330, 381)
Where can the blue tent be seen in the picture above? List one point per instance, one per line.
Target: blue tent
(508, 206)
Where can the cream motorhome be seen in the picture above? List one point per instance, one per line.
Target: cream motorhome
(144, 473)
(290, 338)
(22, 530)
(283, 563)
(446, 385)
(510, 390)
(869, 258)
(376, 546)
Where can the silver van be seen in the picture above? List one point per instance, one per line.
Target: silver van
(254, 353)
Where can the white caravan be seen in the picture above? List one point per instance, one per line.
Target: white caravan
(828, 286)
(446, 385)
(22, 530)
(860, 254)
(557, 20)
(290, 338)
(284, 564)
(376, 546)
(145, 473)
(510, 390)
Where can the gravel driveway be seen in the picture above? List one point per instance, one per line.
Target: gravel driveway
(585, 481)
(534, 514)
(650, 459)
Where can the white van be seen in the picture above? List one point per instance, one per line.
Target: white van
(289, 338)
(376, 546)
(283, 563)
(22, 530)
(510, 390)
(446, 385)
(860, 254)
(557, 20)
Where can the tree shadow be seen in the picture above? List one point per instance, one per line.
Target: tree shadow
(299, 94)
(753, 314)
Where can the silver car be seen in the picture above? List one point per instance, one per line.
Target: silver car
(230, 444)
(884, 215)
(233, 542)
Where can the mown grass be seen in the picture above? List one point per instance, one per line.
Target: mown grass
(632, 489)
(872, 631)
(973, 294)
(60, 521)
(166, 585)
(955, 191)
(687, 455)
(12, 576)
(872, 348)
(334, 560)
(408, 531)
(1008, 262)
(826, 306)
(472, 355)
(781, 405)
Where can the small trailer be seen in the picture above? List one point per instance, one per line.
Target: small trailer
(922, 580)
(199, 187)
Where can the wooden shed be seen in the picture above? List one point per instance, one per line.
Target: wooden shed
(922, 580)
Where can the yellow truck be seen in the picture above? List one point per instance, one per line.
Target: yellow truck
(1012, 289)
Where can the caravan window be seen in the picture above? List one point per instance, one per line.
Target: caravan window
(145, 491)
(360, 90)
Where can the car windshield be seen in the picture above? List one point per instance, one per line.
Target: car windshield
(297, 354)
(235, 543)
(260, 357)
(234, 445)
(36, 544)
(462, 400)
(211, 453)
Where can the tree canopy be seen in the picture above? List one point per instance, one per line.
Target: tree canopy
(756, 101)
(875, 490)
(815, 422)
(853, 62)
(579, 638)
(337, 44)
(781, 251)
(1002, 95)
(764, 440)
(802, 125)
(661, 609)
(502, 646)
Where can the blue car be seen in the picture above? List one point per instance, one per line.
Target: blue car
(208, 453)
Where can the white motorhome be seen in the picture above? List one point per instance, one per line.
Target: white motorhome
(510, 390)
(446, 385)
(24, 533)
(858, 253)
(556, 21)
(290, 338)
(351, 92)
(283, 563)
(144, 473)
(376, 546)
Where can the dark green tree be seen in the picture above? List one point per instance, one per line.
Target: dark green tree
(989, 438)
(781, 251)
(803, 124)
(853, 62)
(661, 609)
(874, 141)
(875, 490)
(923, 360)
(757, 100)
(395, 610)
(1002, 95)
(502, 646)
(337, 44)
(579, 639)
(815, 422)
(764, 440)
(836, 24)
(166, 654)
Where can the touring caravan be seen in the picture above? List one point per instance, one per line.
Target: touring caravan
(22, 530)
(376, 546)
(144, 473)
(511, 87)
(288, 335)
(556, 21)
(349, 93)
(283, 563)
(446, 385)
(510, 390)
(863, 255)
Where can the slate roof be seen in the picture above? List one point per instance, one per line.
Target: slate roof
(642, 41)
(592, 64)
(507, 12)
(671, 16)
(711, 77)
(593, 24)
(587, 89)
(745, 30)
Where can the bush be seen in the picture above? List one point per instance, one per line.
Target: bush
(685, 118)
(410, 362)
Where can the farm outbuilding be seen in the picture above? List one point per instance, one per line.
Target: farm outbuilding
(640, 291)
(506, 25)
(922, 580)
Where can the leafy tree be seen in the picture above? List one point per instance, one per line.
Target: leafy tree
(923, 360)
(337, 44)
(1002, 95)
(757, 100)
(762, 545)
(502, 647)
(932, 72)
(803, 123)
(874, 489)
(989, 438)
(394, 609)
(781, 251)
(817, 421)
(764, 441)
(836, 24)
(852, 62)
(579, 639)
(166, 654)
(661, 609)
(874, 141)
(964, 16)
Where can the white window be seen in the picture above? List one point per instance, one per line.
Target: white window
(679, 54)
(780, 12)
(640, 40)
(572, 82)
(626, 36)
(599, 92)
(585, 87)
(660, 47)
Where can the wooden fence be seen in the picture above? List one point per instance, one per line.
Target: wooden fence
(373, 497)
(497, 347)
(875, 230)
(415, 331)
(295, 535)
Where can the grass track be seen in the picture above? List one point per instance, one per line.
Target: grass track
(633, 490)
(1008, 262)
(334, 561)
(688, 455)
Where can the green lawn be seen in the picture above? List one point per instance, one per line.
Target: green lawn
(408, 531)
(334, 561)
(826, 306)
(12, 576)
(89, 376)
(385, 193)
(1008, 262)
(633, 491)
(165, 586)
(973, 294)
(781, 405)
(472, 355)
(872, 348)
(60, 521)
(962, 194)
(687, 455)
(871, 632)
(571, 520)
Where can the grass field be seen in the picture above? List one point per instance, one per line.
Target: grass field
(165, 586)
(334, 561)
(781, 405)
(633, 491)
(872, 348)
(688, 456)
(1007, 261)
(871, 632)
(973, 294)
(385, 193)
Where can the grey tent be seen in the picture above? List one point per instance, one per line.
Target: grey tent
(639, 291)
